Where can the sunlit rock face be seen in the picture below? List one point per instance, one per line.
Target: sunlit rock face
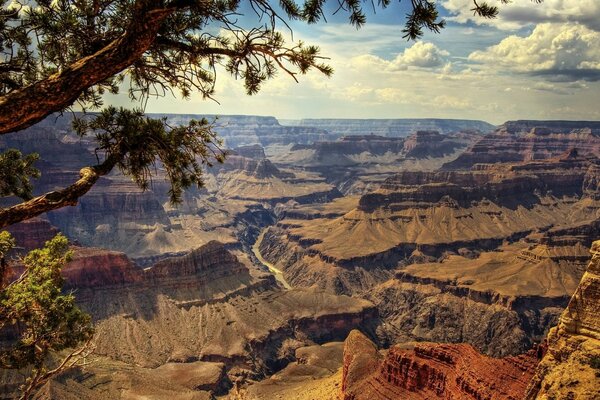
(517, 141)
(440, 252)
(206, 311)
(32, 234)
(359, 163)
(430, 370)
(222, 309)
(571, 367)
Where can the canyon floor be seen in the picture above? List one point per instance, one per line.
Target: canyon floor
(339, 260)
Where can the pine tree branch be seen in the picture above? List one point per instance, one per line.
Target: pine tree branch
(68, 196)
(24, 107)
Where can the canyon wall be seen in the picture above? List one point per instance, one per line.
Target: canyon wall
(571, 366)
(428, 370)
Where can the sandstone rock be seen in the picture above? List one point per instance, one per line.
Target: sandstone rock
(570, 368)
(98, 268)
(32, 234)
(207, 376)
(429, 370)
(315, 375)
(516, 141)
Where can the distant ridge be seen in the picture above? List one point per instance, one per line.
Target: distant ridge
(400, 127)
(555, 126)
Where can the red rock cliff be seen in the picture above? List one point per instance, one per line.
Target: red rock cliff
(429, 370)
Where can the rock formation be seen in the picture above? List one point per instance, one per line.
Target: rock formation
(222, 311)
(429, 370)
(32, 234)
(316, 374)
(500, 243)
(517, 141)
(240, 130)
(356, 163)
(571, 366)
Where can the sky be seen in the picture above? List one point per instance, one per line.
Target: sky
(535, 61)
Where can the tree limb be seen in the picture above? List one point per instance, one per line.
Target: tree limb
(56, 199)
(24, 107)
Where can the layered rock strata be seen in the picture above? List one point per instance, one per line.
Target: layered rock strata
(429, 370)
(517, 141)
(571, 366)
(503, 244)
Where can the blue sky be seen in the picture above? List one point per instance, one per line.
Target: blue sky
(534, 61)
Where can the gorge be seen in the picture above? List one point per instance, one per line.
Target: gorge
(354, 259)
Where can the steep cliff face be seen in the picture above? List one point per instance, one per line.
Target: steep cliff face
(358, 163)
(98, 268)
(255, 151)
(210, 262)
(571, 366)
(249, 179)
(436, 212)
(221, 309)
(428, 370)
(191, 324)
(422, 144)
(32, 234)
(503, 244)
(531, 140)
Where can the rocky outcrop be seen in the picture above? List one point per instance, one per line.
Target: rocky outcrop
(254, 151)
(210, 262)
(504, 244)
(92, 268)
(32, 234)
(259, 168)
(316, 374)
(571, 366)
(550, 127)
(423, 144)
(429, 370)
(222, 310)
(517, 141)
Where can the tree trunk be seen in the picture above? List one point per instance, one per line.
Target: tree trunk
(24, 107)
(57, 199)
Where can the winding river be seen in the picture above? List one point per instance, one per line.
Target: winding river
(274, 270)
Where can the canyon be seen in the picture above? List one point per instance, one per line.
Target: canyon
(336, 259)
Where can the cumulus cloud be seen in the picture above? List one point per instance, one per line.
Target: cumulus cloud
(559, 52)
(521, 13)
(420, 55)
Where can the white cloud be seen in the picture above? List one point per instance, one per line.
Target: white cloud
(560, 52)
(419, 55)
(520, 13)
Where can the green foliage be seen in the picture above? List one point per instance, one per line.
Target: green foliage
(140, 146)
(424, 15)
(46, 320)
(595, 362)
(15, 172)
(7, 242)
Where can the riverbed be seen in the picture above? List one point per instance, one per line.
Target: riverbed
(273, 269)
